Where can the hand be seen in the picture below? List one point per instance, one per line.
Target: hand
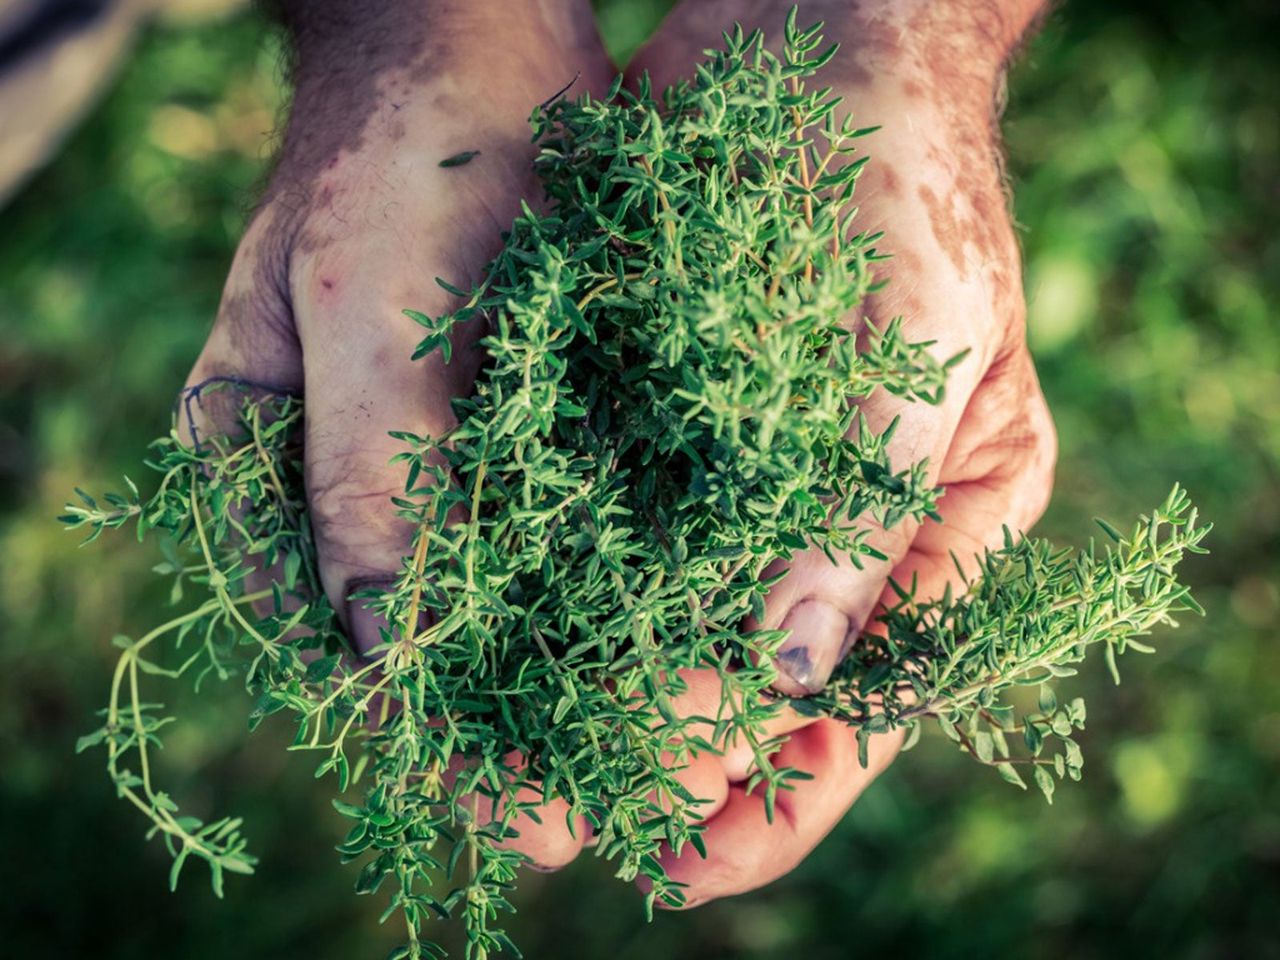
(928, 71)
(359, 219)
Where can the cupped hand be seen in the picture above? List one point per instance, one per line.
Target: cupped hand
(358, 220)
(928, 72)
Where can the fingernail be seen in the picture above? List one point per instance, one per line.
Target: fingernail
(365, 626)
(806, 659)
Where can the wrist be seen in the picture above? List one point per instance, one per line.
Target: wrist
(367, 35)
(963, 44)
(365, 70)
(966, 42)
(992, 28)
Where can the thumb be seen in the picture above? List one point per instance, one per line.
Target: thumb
(996, 468)
(251, 345)
(824, 605)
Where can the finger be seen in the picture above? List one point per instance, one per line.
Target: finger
(252, 344)
(734, 752)
(703, 776)
(745, 850)
(361, 384)
(709, 753)
(552, 840)
(545, 832)
(251, 352)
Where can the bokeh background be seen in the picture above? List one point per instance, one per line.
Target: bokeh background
(1144, 145)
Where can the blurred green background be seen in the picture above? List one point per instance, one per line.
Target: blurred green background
(1144, 144)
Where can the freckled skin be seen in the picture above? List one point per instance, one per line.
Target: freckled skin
(947, 228)
(929, 72)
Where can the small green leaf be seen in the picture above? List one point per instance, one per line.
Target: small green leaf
(983, 746)
(179, 859)
(90, 740)
(1048, 701)
(321, 669)
(460, 159)
(1044, 780)
(1009, 774)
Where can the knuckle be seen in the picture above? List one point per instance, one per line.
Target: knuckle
(358, 530)
(734, 870)
(253, 334)
(345, 496)
(891, 541)
(1033, 443)
(1042, 458)
(261, 262)
(320, 271)
(1014, 445)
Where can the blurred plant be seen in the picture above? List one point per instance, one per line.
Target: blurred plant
(670, 407)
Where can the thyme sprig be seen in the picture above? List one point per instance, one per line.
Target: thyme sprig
(670, 405)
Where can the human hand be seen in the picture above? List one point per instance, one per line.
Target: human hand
(358, 220)
(929, 73)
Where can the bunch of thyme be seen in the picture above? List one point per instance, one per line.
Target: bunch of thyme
(670, 405)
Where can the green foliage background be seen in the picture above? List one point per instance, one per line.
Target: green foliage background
(1145, 150)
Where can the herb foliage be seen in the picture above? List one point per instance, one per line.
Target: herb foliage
(670, 405)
